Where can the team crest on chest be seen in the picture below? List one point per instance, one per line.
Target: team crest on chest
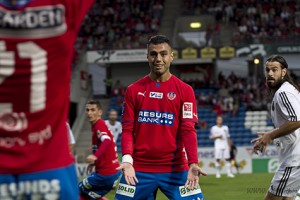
(171, 96)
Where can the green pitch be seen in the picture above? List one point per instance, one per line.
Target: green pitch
(243, 186)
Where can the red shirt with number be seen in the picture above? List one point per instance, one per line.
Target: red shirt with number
(36, 48)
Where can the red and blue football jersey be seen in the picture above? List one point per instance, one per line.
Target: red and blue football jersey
(158, 125)
(108, 161)
(36, 48)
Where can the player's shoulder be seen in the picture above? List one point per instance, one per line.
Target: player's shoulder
(100, 122)
(286, 88)
(214, 126)
(225, 126)
(139, 83)
(180, 82)
(183, 87)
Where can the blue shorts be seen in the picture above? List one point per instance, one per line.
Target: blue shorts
(96, 185)
(171, 184)
(56, 184)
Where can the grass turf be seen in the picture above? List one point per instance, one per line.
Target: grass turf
(243, 186)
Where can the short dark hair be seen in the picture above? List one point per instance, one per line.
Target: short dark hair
(158, 39)
(278, 58)
(95, 102)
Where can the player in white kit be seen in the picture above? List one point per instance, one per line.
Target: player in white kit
(285, 113)
(113, 124)
(220, 134)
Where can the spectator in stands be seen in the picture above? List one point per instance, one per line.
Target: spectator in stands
(108, 85)
(202, 124)
(218, 107)
(106, 19)
(118, 88)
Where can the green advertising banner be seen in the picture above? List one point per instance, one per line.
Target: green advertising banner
(269, 165)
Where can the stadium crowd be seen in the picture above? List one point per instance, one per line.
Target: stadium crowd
(252, 20)
(121, 24)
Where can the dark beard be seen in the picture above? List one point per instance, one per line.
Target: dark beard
(273, 88)
(276, 85)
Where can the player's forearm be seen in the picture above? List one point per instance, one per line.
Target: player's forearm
(285, 129)
(190, 142)
(101, 151)
(127, 138)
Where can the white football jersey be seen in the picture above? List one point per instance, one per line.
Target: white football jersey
(115, 129)
(286, 107)
(220, 143)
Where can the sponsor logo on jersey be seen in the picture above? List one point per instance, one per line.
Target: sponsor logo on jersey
(171, 96)
(142, 93)
(184, 191)
(13, 121)
(33, 189)
(126, 190)
(94, 195)
(156, 95)
(156, 117)
(187, 110)
(34, 22)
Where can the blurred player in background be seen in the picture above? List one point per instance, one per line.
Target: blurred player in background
(158, 124)
(104, 157)
(285, 114)
(71, 138)
(113, 124)
(36, 47)
(233, 153)
(220, 134)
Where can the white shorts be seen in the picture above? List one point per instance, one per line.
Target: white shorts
(286, 182)
(222, 153)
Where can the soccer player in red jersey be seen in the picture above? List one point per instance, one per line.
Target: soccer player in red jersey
(159, 143)
(104, 157)
(36, 46)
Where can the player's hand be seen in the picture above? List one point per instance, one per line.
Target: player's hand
(90, 168)
(91, 159)
(193, 176)
(261, 143)
(128, 173)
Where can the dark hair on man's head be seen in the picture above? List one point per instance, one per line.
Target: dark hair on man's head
(95, 102)
(278, 58)
(158, 39)
(283, 64)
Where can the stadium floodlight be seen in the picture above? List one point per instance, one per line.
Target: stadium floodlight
(195, 25)
(256, 61)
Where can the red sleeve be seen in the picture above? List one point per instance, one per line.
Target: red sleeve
(104, 145)
(189, 137)
(189, 108)
(127, 123)
(187, 125)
